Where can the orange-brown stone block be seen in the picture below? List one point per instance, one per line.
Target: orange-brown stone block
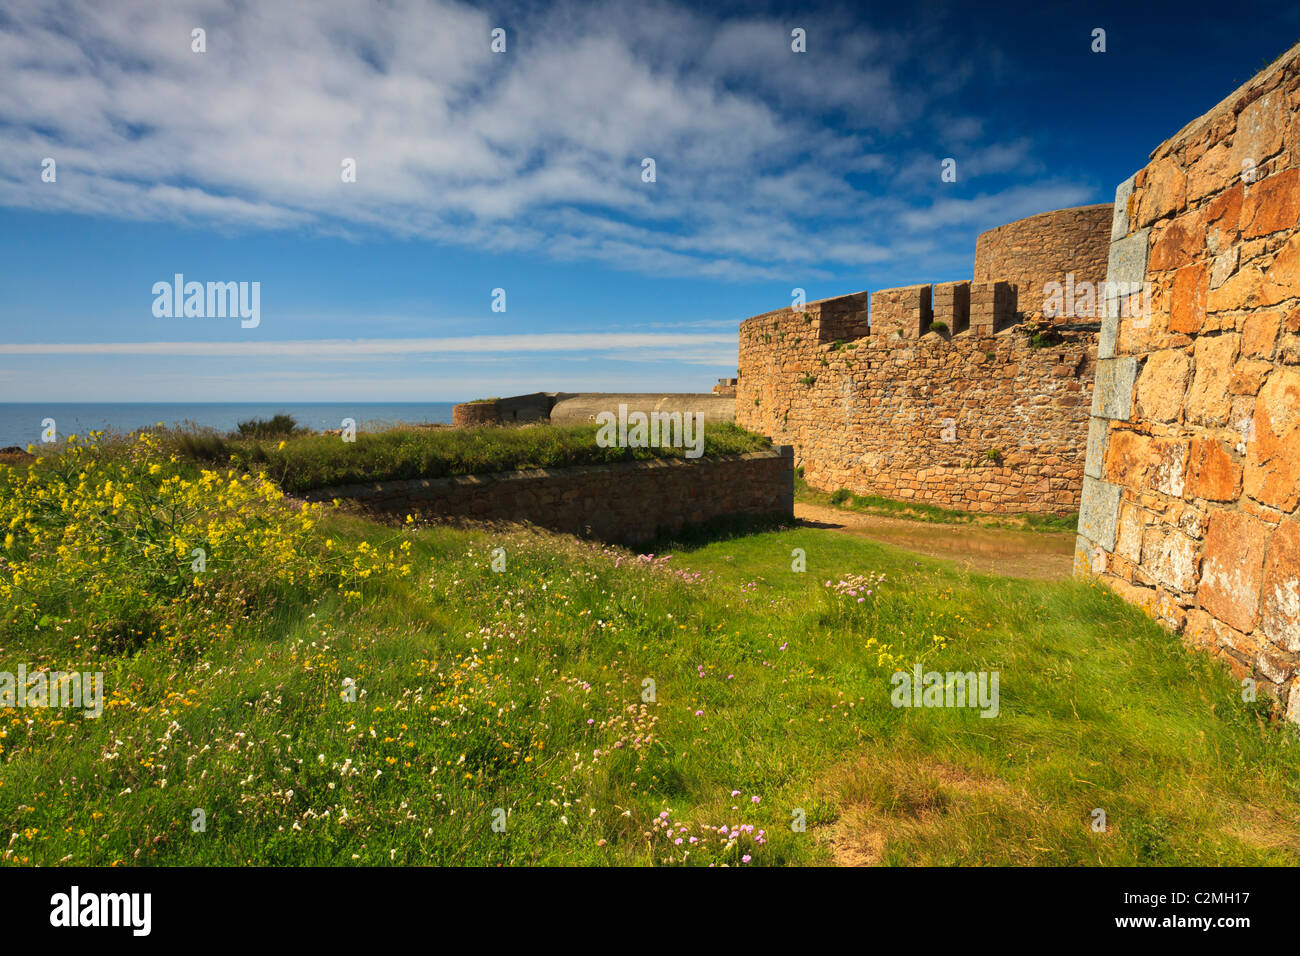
(1232, 568)
(1214, 475)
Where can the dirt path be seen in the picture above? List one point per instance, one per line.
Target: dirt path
(1041, 555)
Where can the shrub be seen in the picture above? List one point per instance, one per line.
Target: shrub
(278, 426)
(840, 496)
(940, 327)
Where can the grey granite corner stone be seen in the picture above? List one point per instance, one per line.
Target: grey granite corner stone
(1127, 261)
(1109, 337)
(1097, 429)
(1112, 392)
(1119, 219)
(1099, 512)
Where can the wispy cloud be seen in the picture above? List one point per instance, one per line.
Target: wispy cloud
(766, 160)
(655, 344)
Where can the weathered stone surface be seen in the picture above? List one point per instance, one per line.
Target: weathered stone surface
(1187, 306)
(1168, 473)
(1209, 172)
(1232, 569)
(1108, 343)
(1258, 135)
(1208, 400)
(1162, 385)
(1096, 450)
(1239, 291)
(1171, 557)
(1112, 395)
(1214, 474)
(1163, 192)
(1282, 280)
(951, 305)
(1248, 376)
(1259, 334)
(1223, 266)
(1119, 216)
(1099, 512)
(1089, 558)
(1222, 216)
(1128, 458)
(1273, 456)
(1180, 242)
(1128, 536)
(903, 313)
(1271, 205)
(1127, 259)
(1281, 588)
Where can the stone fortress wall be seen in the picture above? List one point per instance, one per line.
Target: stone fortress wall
(1193, 458)
(939, 393)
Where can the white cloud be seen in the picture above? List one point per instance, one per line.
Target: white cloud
(539, 148)
(656, 344)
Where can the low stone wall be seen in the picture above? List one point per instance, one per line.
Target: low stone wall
(581, 408)
(505, 411)
(470, 414)
(626, 502)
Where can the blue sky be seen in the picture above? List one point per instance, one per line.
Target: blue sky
(522, 170)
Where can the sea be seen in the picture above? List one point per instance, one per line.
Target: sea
(21, 424)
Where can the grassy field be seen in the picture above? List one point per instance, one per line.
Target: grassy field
(302, 462)
(920, 511)
(685, 706)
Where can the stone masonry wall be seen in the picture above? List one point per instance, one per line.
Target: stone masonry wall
(627, 502)
(1193, 464)
(1030, 253)
(977, 420)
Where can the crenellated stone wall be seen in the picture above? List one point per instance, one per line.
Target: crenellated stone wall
(977, 420)
(1193, 463)
(945, 396)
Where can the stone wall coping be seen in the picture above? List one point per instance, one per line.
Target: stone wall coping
(1196, 125)
(1049, 212)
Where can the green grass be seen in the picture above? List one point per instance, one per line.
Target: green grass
(846, 500)
(522, 690)
(317, 461)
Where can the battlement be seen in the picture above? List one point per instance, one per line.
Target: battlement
(885, 317)
(933, 392)
(841, 318)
